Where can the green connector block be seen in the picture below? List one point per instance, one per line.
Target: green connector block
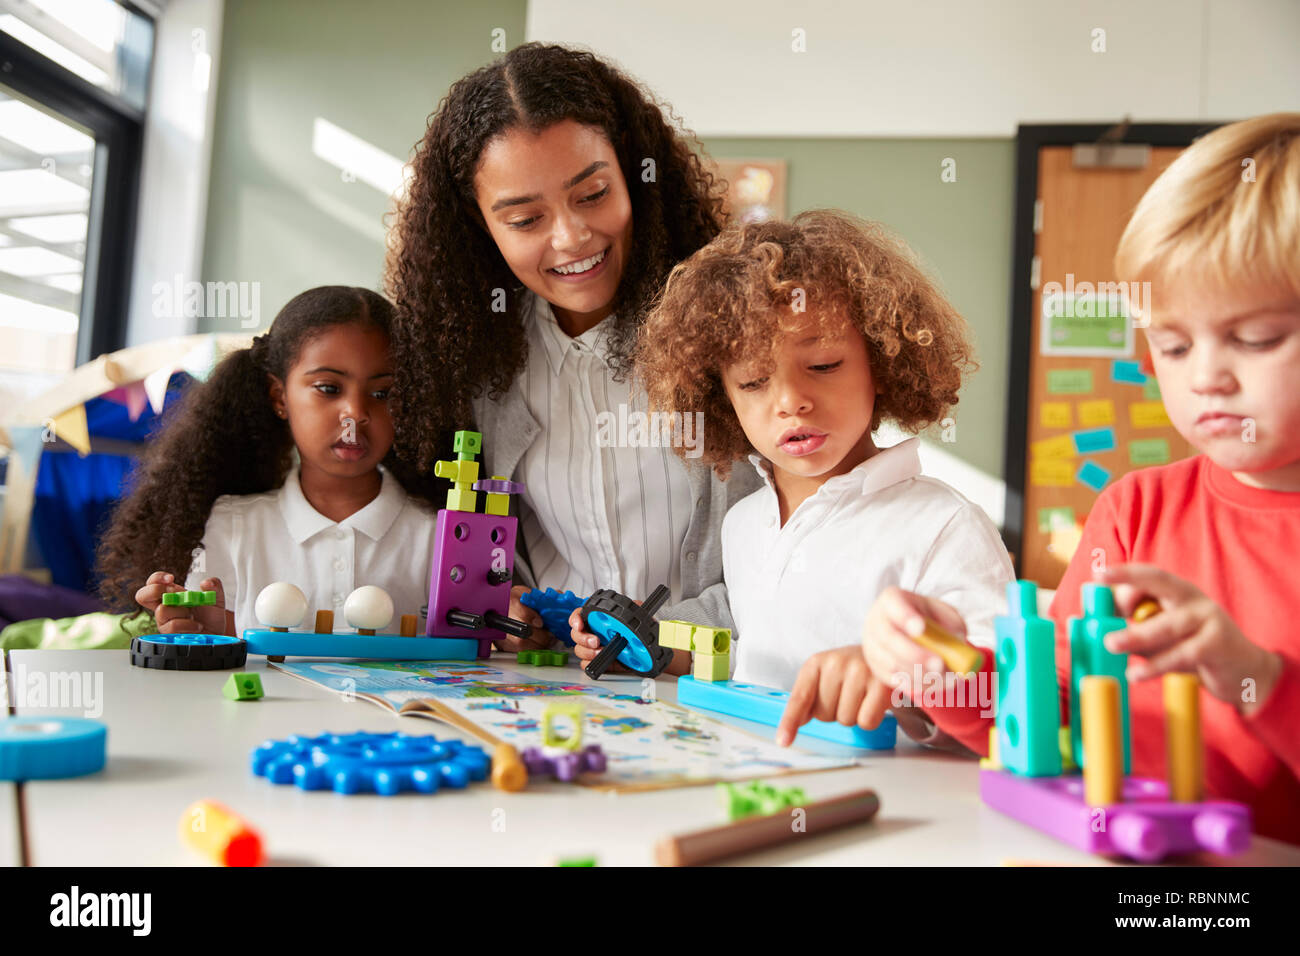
(1029, 706)
(571, 709)
(459, 472)
(459, 499)
(497, 505)
(577, 861)
(467, 443)
(1089, 657)
(543, 658)
(711, 640)
(758, 799)
(190, 599)
(242, 687)
(711, 666)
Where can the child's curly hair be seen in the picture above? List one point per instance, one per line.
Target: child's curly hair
(726, 303)
(443, 265)
(224, 438)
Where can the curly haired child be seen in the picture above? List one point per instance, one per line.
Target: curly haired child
(271, 471)
(796, 340)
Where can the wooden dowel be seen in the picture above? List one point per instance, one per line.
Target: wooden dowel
(753, 833)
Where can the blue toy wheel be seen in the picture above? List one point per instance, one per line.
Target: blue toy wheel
(188, 652)
(634, 656)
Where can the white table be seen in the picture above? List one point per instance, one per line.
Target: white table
(174, 739)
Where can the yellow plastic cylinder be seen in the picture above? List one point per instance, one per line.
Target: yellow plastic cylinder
(958, 656)
(1103, 753)
(1184, 752)
(220, 834)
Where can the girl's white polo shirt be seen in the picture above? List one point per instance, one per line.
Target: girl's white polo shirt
(807, 586)
(251, 541)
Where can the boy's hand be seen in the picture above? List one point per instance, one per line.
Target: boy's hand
(834, 685)
(887, 645)
(210, 619)
(540, 638)
(1191, 633)
(586, 645)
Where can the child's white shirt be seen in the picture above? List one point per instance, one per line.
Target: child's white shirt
(251, 541)
(806, 587)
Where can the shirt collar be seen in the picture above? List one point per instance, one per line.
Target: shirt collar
(374, 520)
(557, 345)
(889, 466)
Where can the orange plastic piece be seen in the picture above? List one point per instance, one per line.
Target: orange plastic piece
(220, 835)
(1103, 754)
(1184, 752)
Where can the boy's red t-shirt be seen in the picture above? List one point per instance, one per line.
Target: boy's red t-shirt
(1241, 547)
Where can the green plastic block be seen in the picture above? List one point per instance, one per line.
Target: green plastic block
(459, 499)
(711, 640)
(467, 443)
(1029, 705)
(758, 799)
(543, 658)
(712, 666)
(1089, 657)
(497, 504)
(189, 599)
(675, 634)
(578, 861)
(242, 687)
(571, 709)
(460, 472)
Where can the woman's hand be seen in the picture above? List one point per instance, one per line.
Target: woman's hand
(539, 639)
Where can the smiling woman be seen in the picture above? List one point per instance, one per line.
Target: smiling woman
(551, 197)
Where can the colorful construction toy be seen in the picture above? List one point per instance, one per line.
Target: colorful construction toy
(570, 710)
(386, 764)
(1105, 811)
(563, 765)
(758, 799)
(543, 658)
(51, 748)
(712, 647)
(188, 652)
(473, 556)
(220, 835)
(628, 632)
(1028, 729)
(765, 705)
(958, 656)
(189, 599)
(242, 687)
(555, 608)
(281, 606)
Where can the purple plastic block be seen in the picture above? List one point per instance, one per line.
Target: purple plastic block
(564, 767)
(470, 550)
(499, 486)
(1147, 826)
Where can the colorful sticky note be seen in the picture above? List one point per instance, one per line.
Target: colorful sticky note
(1151, 389)
(1055, 415)
(1093, 475)
(1051, 473)
(1148, 415)
(1148, 451)
(1099, 412)
(1055, 519)
(1069, 381)
(1062, 446)
(1129, 373)
(1095, 440)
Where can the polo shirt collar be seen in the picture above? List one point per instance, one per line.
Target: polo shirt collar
(887, 467)
(373, 520)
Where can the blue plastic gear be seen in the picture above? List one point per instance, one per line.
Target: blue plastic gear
(555, 609)
(386, 764)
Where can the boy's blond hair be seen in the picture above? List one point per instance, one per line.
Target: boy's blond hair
(1226, 210)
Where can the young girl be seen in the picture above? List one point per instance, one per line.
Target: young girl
(278, 468)
(796, 340)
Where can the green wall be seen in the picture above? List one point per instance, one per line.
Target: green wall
(281, 216)
(277, 213)
(962, 231)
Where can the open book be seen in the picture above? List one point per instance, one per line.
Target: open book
(648, 743)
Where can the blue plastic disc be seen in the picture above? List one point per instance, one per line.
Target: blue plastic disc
(49, 748)
(606, 627)
(174, 639)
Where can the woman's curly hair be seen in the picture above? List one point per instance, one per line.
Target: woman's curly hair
(727, 302)
(224, 438)
(443, 265)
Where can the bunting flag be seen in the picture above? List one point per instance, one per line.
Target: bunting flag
(25, 451)
(155, 386)
(200, 360)
(132, 395)
(71, 427)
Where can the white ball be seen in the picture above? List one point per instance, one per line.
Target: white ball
(368, 607)
(280, 605)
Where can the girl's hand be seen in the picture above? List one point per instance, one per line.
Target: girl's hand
(586, 645)
(210, 619)
(887, 645)
(1192, 634)
(833, 685)
(540, 638)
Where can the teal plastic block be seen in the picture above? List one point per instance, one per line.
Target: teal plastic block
(764, 705)
(1029, 708)
(1088, 657)
(374, 647)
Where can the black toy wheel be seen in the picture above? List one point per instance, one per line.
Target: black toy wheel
(630, 630)
(188, 652)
